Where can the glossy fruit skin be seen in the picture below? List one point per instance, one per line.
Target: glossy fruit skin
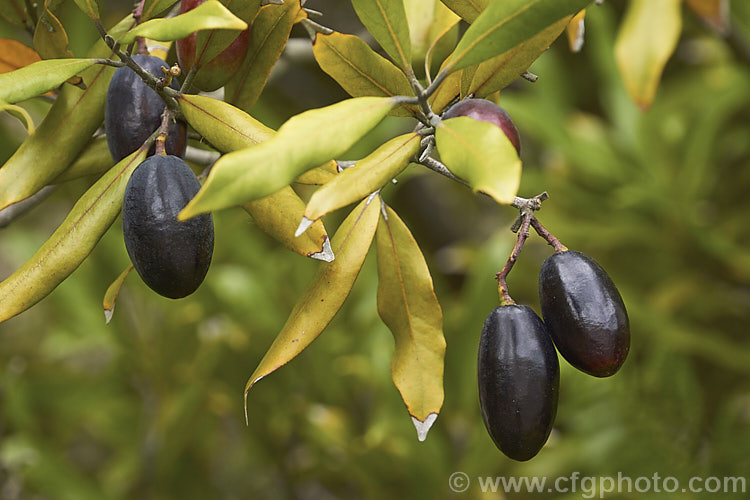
(219, 70)
(584, 313)
(133, 111)
(172, 257)
(519, 380)
(486, 111)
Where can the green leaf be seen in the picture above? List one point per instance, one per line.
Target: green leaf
(481, 154)
(225, 127)
(360, 70)
(386, 21)
(367, 176)
(89, 7)
(503, 25)
(152, 8)
(277, 215)
(427, 19)
(469, 10)
(39, 78)
(50, 38)
(209, 15)
(19, 113)
(71, 242)
(13, 12)
(408, 306)
(110, 296)
(67, 128)
(305, 141)
(268, 37)
(326, 292)
(500, 71)
(647, 38)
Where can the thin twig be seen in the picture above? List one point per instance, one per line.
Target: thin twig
(502, 276)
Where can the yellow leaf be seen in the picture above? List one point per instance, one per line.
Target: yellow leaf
(647, 38)
(575, 30)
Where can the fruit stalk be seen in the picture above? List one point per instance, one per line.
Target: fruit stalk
(548, 237)
(501, 277)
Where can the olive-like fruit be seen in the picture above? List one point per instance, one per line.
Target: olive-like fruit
(218, 71)
(519, 380)
(172, 257)
(486, 111)
(133, 111)
(584, 313)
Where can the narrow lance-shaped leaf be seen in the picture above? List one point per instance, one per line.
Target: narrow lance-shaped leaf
(152, 8)
(209, 15)
(481, 154)
(305, 141)
(360, 70)
(71, 242)
(326, 292)
(113, 290)
(13, 12)
(95, 159)
(386, 21)
(271, 28)
(66, 129)
(500, 71)
(469, 10)
(39, 77)
(89, 7)
(503, 25)
(408, 306)
(367, 176)
(228, 129)
(575, 30)
(647, 38)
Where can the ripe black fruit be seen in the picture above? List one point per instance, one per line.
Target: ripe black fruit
(487, 111)
(172, 257)
(519, 379)
(133, 111)
(584, 313)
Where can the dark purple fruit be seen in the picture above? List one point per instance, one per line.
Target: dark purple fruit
(133, 111)
(519, 380)
(172, 257)
(584, 313)
(486, 111)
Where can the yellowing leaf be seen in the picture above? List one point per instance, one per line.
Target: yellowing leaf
(229, 129)
(326, 292)
(277, 214)
(209, 15)
(71, 242)
(386, 21)
(500, 71)
(503, 25)
(647, 38)
(19, 113)
(15, 55)
(575, 30)
(50, 38)
(469, 10)
(408, 306)
(305, 141)
(446, 92)
(93, 160)
(367, 176)
(360, 70)
(113, 290)
(481, 154)
(428, 20)
(268, 37)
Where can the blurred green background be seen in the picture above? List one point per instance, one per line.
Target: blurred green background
(150, 406)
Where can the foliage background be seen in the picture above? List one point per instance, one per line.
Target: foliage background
(150, 406)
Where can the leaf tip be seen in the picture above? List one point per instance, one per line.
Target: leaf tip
(108, 313)
(424, 427)
(326, 254)
(303, 226)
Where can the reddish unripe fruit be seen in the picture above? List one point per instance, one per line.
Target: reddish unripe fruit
(487, 111)
(216, 72)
